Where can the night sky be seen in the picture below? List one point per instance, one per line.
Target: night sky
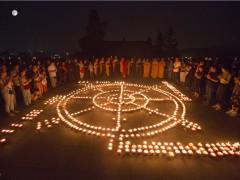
(58, 25)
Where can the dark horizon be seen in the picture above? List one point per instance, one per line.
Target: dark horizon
(58, 25)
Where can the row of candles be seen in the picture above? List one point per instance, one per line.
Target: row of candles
(171, 149)
(53, 100)
(48, 123)
(182, 96)
(183, 121)
(32, 114)
(97, 82)
(9, 131)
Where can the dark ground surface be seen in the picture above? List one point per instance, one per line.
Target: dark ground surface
(61, 153)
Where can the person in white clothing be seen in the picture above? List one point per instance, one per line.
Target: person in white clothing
(6, 87)
(176, 71)
(52, 70)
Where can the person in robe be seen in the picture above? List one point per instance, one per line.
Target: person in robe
(146, 69)
(108, 65)
(114, 62)
(123, 67)
(86, 73)
(139, 68)
(176, 71)
(81, 69)
(76, 69)
(130, 68)
(102, 68)
(69, 66)
(95, 68)
(169, 69)
(91, 71)
(161, 67)
(154, 72)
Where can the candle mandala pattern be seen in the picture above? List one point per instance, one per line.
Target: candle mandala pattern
(120, 99)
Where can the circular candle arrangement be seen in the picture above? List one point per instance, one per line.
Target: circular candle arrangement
(120, 99)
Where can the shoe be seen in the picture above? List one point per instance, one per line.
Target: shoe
(10, 114)
(229, 112)
(15, 111)
(233, 114)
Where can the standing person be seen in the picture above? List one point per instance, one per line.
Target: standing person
(102, 69)
(25, 87)
(176, 71)
(108, 65)
(197, 82)
(154, 72)
(30, 75)
(169, 69)
(189, 76)
(235, 98)
(123, 67)
(44, 81)
(222, 90)
(60, 72)
(146, 68)
(117, 69)
(38, 80)
(162, 65)
(130, 68)
(6, 86)
(139, 68)
(52, 70)
(211, 86)
(48, 78)
(76, 69)
(95, 68)
(81, 69)
(114, 62)
(64, 72)
(69, 66)
(183, 73)
(90, 67)
(16, 84)
(86, 73)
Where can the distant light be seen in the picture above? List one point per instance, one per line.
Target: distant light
(14, 13)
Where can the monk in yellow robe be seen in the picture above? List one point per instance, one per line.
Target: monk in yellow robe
(101, 64)
(129, 67)
(146, 69)
(161, 66)
(108, 64)
(139, 68)
(154, 72)
(115, 60)
(95, 67)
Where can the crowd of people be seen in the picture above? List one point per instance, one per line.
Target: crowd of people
(217, 84)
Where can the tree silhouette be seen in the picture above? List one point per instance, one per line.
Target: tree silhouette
(91, 43)
(171, 43)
